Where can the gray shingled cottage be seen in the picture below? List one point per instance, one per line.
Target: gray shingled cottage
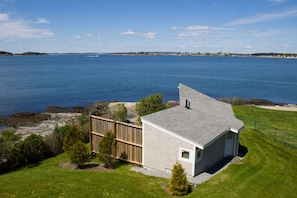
(198, 133)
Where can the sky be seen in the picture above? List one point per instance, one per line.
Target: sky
(102, 26)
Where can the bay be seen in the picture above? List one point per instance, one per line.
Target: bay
(31, 83)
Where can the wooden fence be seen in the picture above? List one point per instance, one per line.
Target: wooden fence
(128, 136)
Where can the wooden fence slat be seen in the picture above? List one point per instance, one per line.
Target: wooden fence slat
(128, 136)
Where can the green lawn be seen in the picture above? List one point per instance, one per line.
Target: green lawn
(269, 169)
(286, 120)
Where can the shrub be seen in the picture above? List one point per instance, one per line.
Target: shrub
(150, 105)
(119, 112)
(83, 122)
(73, 134)
(179, 184)
(8, 138)
(54, 145)
(108, 149)
(31, 150)
(79, 154)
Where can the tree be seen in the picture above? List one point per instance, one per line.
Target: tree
(119, 112)
(179, 184)
(149, 105)
(8, 139)
(79, 154)
(73, 134)
(108, 149)
(32, 150)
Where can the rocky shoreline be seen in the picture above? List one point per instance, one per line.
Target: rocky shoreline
(44, 123)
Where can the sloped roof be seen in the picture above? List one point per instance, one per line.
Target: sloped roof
(206, 120)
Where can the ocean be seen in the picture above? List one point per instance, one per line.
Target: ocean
(31, 83)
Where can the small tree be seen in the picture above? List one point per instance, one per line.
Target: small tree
(179, 184)
(8, 139)
(73, 135)
(149, 105)
(32, 149)
(79, 154)
(108, 149)
(119, 112)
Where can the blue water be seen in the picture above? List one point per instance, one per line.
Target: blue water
(31, 83)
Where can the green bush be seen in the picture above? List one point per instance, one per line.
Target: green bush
(73, 135)
(31, 150)
(151, 104)
(178, 182)
(79, 154)
(54, 145)
(83, 122)
(8, 139)
(119, 112)
(108, 150)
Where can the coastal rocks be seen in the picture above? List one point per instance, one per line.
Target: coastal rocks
(46, 127)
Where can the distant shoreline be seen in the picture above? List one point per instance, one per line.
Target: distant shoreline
(222, 54)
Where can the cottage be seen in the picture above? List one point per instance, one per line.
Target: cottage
(198, 133)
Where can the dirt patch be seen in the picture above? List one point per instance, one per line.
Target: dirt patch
(89, 166)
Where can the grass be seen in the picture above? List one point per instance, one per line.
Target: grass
(285, 120)
(269, 169)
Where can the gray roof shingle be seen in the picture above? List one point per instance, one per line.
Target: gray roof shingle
(205, 120)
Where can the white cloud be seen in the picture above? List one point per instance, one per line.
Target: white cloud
(88, 35)
(197, 28)
(248, 47)
(41, 21)
(149, 35)
(3, 17)
(183, 35)
(12, 28)
(263, 17)
(129, 32)
(192, 28)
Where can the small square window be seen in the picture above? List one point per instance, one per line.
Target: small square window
(186, 154)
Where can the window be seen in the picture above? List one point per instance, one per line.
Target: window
(186, 154)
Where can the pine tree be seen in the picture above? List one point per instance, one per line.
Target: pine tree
(179, 184)
(79, 154)
(108, 149)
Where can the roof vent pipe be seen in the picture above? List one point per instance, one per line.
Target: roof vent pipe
(187, 104)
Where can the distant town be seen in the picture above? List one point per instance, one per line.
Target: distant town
(268, 55)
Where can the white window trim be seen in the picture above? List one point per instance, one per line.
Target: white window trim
(184, 159)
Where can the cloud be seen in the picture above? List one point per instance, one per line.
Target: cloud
(88, 35)
(129, 32)
(263, 17)
(41, 21)
(183, 36)
(3, 17)
(197, 28)
(192, 28)
(149, 35)
(12, 28)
